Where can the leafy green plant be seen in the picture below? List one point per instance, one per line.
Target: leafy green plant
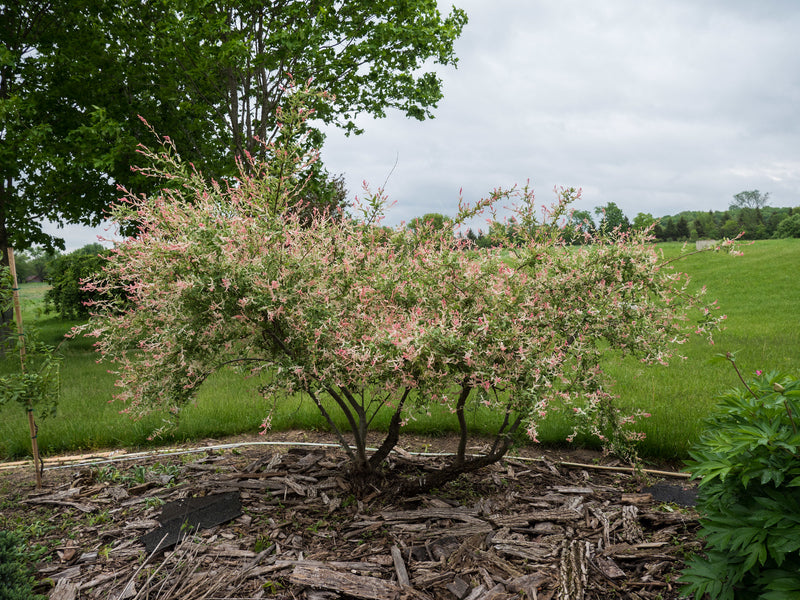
(104, 552)
(153, 502)
(37, 386)
(16, 579)
(65, 295)
(36, 383)
(99, 519)
(109, 474)
(748, 468)
(262, 543)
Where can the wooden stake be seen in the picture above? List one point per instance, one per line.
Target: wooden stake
(37, 462)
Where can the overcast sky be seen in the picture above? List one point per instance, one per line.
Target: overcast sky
(659, 106)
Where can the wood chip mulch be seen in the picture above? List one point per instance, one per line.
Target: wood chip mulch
(284, 523)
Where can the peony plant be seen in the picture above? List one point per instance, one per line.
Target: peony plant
(362, 319)
(748, 471)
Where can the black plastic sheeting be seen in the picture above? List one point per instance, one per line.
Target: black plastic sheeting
(182, 517)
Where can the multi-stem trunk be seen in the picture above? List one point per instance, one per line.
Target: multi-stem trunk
(364, 465)
(393, 434)
(504, 438)
(357, 420)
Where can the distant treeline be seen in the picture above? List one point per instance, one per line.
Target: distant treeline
(753, 223)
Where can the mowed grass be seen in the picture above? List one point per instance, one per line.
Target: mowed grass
(759, 292)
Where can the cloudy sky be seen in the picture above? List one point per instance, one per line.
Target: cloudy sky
(658, 106)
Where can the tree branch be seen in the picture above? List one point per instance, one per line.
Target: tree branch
(462, 422)
(454, 470)
(393, 434)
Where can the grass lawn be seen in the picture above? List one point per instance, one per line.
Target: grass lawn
(759, 292)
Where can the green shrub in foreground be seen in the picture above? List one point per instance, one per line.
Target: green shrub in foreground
(16, 580)
(749, 470)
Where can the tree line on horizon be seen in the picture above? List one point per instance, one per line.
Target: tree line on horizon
(748, 216)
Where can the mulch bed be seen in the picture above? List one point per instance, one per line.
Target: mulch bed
(284, 523)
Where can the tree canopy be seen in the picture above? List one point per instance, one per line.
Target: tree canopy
(435, 221)
(41, 52)
(611, 218)
(750, 199)
(76, 74)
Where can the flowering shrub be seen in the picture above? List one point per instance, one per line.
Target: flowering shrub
(748, 469)
(337, 308)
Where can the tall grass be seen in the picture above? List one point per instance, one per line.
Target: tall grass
(759, 292)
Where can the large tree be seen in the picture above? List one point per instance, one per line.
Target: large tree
(369, 55)
(611, 218)
(76, 74)
(750, 199)
(31, 121)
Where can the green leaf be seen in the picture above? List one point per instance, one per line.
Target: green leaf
(704, 579)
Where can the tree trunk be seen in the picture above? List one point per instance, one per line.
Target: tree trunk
(392, 436)
(461, 465)
(6, 313)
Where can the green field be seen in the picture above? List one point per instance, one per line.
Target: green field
(759, 292)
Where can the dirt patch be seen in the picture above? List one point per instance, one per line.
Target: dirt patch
(281, 521)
